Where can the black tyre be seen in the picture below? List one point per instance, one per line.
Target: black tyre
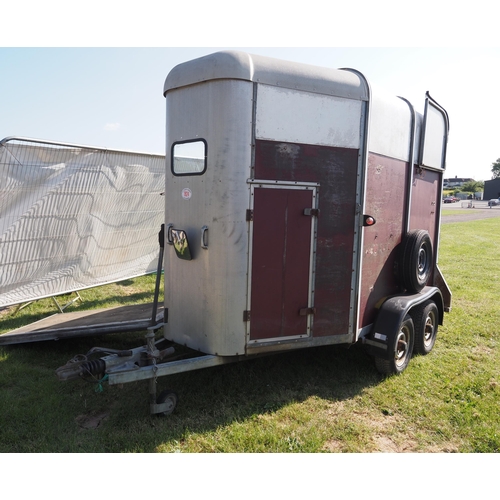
(415, 260)
(401, 346)
(169, 397)
(426, 319)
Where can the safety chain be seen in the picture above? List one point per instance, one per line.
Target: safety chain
(151, 352)
(155, 370)
(99, 387)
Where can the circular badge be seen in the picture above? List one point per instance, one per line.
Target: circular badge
(187, 193)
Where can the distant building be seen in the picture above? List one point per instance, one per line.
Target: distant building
(491, 189)
(455, 182)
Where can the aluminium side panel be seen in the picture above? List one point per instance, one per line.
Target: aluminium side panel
(206, 296)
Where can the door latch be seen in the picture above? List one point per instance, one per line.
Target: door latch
(306, 311)
(314, 212)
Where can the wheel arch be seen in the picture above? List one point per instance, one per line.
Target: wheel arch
(392, 313)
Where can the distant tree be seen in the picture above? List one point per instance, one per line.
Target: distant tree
(473, 187)
(495, 169)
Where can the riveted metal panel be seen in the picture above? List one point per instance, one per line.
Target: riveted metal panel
(386, 201)
(206, 296)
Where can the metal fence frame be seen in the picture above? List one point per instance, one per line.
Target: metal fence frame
(113, 174)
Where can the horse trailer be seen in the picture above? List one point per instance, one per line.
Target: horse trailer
(302, 209)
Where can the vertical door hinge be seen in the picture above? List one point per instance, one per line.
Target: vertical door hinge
(246, 315)
(249, 215)
(307, 311)
(314, 212)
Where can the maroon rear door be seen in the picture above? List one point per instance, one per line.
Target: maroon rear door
(281, 262)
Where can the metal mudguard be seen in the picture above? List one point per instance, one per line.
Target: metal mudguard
(390, 316)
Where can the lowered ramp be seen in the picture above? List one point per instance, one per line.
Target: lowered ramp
(118, 319)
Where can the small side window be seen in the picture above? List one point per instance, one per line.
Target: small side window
(189, 157)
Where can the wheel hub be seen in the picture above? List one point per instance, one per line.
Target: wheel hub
(401, 347)
(422, 262)
(429, 329)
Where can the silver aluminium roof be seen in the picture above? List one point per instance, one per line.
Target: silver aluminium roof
(254, 68)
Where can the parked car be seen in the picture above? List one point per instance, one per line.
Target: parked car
(449, 199)
(494, 202)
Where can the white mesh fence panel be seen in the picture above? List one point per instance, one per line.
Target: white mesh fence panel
(74, 217)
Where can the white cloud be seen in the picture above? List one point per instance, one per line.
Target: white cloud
(110, 127)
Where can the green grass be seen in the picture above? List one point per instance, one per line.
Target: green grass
(455, 211)
(327, 399)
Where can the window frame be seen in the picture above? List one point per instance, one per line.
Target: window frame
(187, 141)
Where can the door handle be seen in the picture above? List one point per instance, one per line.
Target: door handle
(170, 240)
(204, 237)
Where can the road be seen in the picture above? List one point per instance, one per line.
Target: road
(464, 214)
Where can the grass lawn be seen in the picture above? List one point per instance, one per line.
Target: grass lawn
(328, 399)
(455, 211)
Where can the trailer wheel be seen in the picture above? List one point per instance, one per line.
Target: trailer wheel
(401, 345)
(169, 397)
(425, 317)
(415, 262)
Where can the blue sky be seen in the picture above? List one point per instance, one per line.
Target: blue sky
(111, 96)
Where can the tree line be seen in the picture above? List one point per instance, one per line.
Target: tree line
(472, 187)
(495, 169)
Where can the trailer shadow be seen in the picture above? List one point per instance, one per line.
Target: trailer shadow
(266, 384)
(215, 398)
(330, 372)
(116, 418)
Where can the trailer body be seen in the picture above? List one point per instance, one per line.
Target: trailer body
(295, 187)
(302, 208)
